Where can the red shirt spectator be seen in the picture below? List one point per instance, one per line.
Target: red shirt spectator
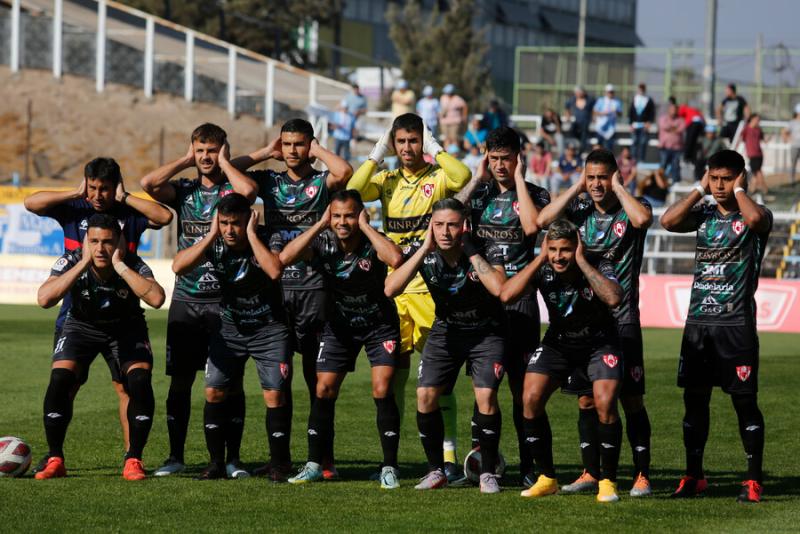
(752, 137)
(690, 114)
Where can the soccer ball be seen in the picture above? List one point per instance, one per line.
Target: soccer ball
(472, 465)
(15, 457)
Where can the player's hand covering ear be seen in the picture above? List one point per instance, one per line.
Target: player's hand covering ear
(616, 181)
(705, 183)
(119, 194)
(225, 152)
(429, 244)
(429, 144)
(252, 224)
(188, 159)
(741, 180)
(119, 252)
(519, 172)
(273, 150)
(382, 148)
(213, 230)
(483, 174)
(543, 249)
(326, 218)
(363, 218)
(81, 190)
(582, 181)
(579, 256)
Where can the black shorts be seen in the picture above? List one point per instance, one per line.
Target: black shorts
(120, 344)
(268, 345)
(447, 349)
(725, 356)
(189, 325)
(599, 360)
(306, 312)
(340, 346)
(522, 320)
(755, 163)
(630, 342)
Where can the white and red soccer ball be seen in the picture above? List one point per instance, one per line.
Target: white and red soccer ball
(15, 456)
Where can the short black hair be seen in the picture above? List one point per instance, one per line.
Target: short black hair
(449, 204)
(209, 133)
(407, 121)
(343, 195)
(300, 126)
(503, 137)
(727, 159)
(732, 87)
(105, 169)
(105, 222)
(562, 229)
(604, 157)
(233, 204)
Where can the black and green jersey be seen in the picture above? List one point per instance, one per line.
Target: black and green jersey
(290, 208)
(495, 218)
(460, 297)
(355, 281)
(98, 301)
(611, 236)
(727, 263)
(249, 297)
(575, 313)
(195, 204)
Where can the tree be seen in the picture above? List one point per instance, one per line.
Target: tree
(441, 48)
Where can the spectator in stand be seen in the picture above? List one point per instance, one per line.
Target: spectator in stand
(791, 135)
(641, 115)
(473, 157)
(670, 142)
(476, 133)
(605, 111)
(626, 165)
(550, 131)
(541, 165)
(695, 124)
(428, 108)
(654, 188)
(731, 112)
(578, 110)
(403, 99)
(343, 126)
(709, 145)
(752, 135)
(570, 167)
(356, 104)
(453, 113)
(494, 117)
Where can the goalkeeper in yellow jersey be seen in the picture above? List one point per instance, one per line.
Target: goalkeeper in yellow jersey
(407, 195)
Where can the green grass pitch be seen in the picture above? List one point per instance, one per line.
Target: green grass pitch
(94, 497)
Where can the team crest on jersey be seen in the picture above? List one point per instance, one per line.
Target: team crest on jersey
(284, 367)
(610, 360)
(587, 293)
(619, 228)
(427, 190)
(498, 370)
(637, 373)
(84, 224)
(515, 207)
(738, 227)
(122, 293)
(389, 345)
(473, 276)
(743, 372)
(364, 264)
(311, 191)
(225, 192)
(60, 264)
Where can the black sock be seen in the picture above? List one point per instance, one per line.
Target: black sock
(695, 429)
(58, 409)
(179, 406)
(489, 428)
(320, 429)
(751, 430)
(279, 424)
(388, 421)
(587, 433)
(236, 407)
(214, 423)
(141, 407)
(637, 426)
(309, 348)
(525, 460)
(539, 438)
(431, 433)
(609, 438)
(473, 426)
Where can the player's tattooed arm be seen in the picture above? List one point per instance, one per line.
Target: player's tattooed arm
(339, 171)
(55, 287)
(519, 284)
(157, 214)
(528, 212)
(267, 260)
(240, 182)
(755, 216)
(481, 175)
(640, 215)
(146, 288)
(41, 201)
(398, 279)
(553, 211)
(491, 276)
(679, 217)
(607, 290)
(299, 248)
(156, 183)
(189, 258)
(388, 252)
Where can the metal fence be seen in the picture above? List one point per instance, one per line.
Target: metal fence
(766, 76)
(113, 43)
